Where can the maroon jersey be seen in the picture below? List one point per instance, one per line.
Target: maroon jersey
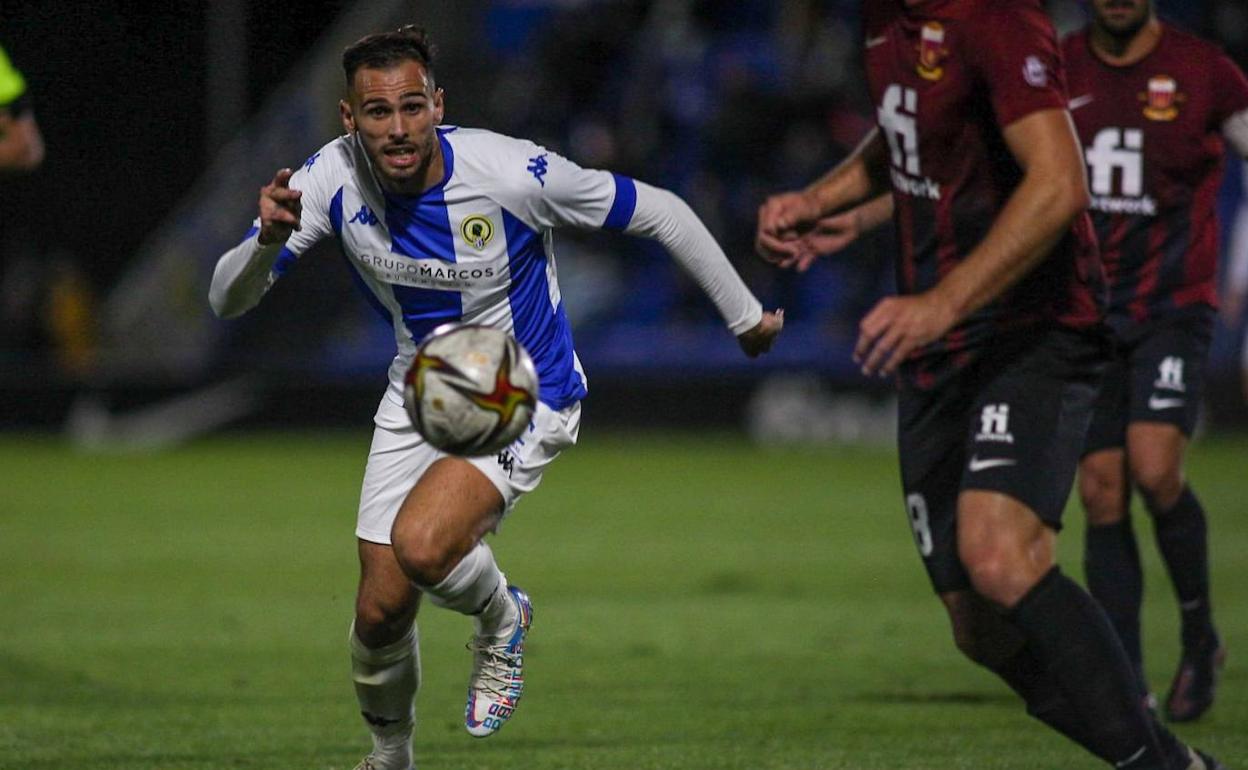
(947, 76)
(1152, 138)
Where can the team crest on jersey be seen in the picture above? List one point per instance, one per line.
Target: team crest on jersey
(932, 51)
(477, 230)
(1163, 98)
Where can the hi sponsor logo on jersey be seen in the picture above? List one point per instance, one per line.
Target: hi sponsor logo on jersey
(897, 118)
(1170, 380)
(1116, 168)
(994, 428)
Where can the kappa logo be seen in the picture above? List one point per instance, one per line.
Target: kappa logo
(1170, 375)
(506, 461)
(364, 216)
(994, 424)
(537, 167)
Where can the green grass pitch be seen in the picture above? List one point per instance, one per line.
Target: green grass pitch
(699, 604)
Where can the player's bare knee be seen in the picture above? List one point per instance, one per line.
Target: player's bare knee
(1103, 504)
(424, 560)
(1000, 573)
(1159, 480)
(426, 557)
(1102, 488)
(380, 623)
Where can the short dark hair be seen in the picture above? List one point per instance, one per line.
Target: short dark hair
(386, 49)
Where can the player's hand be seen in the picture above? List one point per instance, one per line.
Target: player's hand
(782, 220)
(896, 327)
(828, 236)
(280, 209)
(762, 336)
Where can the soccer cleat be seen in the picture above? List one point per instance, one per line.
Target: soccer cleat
(497, 673)
(1202, 761)
(1192, 691)
(372, 763)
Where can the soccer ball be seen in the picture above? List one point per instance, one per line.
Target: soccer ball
(471, 390)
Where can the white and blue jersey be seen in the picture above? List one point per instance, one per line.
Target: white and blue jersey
(476, 247)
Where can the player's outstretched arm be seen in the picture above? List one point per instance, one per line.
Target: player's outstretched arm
(664, 216)
(244, 273)
(786, 219)
(1053, 191)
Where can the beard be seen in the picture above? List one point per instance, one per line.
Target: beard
(1126, 29)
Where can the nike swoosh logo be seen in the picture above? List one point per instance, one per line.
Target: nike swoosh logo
(872, 42)
(1157, 404)
(977, 464)
(1080, 101)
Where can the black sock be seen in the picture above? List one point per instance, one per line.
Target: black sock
(1111, 568)
(1045, 701)
(1182, 538)
(1072, 638)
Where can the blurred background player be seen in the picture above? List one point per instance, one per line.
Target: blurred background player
(21, 144)
(443, 224)
(996, 336)
(1235, 293)
(1152, 104)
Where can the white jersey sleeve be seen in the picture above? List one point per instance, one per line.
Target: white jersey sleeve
(1235, 129)
(246, 272)
(1237, 248)
(550, 191)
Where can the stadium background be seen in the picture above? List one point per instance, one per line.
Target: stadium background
(160, 132)
(176, 493)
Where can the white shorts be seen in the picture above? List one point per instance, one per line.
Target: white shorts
(399, 457)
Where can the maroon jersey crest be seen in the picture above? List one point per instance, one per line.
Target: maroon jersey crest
(932, 51)
(1161, 102)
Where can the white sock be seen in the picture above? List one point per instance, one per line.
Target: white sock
(498, 618)
(386, 680)
(472, 583)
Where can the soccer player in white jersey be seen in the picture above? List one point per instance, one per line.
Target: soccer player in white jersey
(443, 224)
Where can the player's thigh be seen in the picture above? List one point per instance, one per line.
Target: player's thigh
(1029, 419)
(1004, 545)
(1107, 429)
(931, 451)
(397, 458)
(457, 501)
(450, 508)
(518, 469)
(1167, 371)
